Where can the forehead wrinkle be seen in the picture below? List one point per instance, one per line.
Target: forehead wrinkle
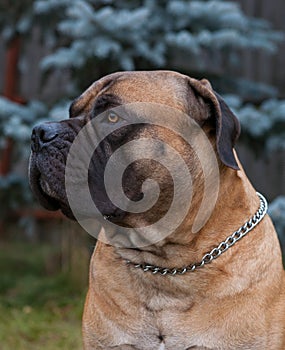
(166, 90)
(163, 87)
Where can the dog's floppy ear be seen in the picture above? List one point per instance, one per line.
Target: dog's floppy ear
(227, 133)
(226, 123)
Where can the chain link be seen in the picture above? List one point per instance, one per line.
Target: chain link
(214, 253)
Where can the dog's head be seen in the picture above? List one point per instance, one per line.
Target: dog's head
(103, 103)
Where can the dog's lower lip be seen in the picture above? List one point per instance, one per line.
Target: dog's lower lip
(53, 204)
(45, 200)
(44, 186)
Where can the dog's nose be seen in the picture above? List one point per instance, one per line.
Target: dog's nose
(42, 135)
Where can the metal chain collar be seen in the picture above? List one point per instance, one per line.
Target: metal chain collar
(214, 253)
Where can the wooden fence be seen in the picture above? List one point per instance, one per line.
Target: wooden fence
(264, 67)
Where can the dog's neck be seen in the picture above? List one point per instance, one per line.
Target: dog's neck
(224, 276)
(192, 246)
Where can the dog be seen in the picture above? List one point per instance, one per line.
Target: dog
(202, 288)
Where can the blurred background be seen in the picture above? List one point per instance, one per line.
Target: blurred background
(50, 51)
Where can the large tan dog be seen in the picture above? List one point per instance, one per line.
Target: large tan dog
(145, 298)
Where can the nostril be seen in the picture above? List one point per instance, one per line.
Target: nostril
(43, 134)
(47, 135)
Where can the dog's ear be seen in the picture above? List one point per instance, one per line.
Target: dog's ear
(227, 126)
(227, 133)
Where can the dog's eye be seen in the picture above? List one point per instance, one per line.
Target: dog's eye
(113, 118)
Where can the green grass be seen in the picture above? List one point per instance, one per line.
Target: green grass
(39, 309)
